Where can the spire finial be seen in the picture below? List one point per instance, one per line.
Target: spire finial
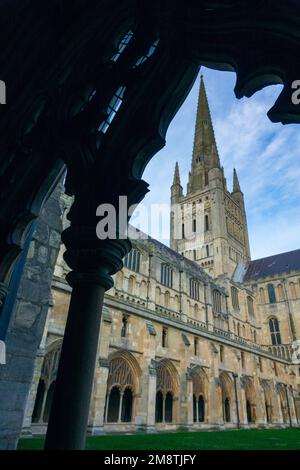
(236, 184)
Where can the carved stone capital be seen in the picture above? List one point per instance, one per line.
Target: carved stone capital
(92, 261)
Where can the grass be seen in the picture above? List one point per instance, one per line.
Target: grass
(254, 439)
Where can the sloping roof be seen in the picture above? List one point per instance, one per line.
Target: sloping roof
(273, 265)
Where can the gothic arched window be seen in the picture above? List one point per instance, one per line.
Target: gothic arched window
(293, 293)
(122, 45)
(217, 304)
(235, 298)
(195, 289)
(250, 307)
(124, 326)
(262, 297)
(227, 410)
(280, 292)
(132, 260)
(166, 275)
(274, 331)
(271, 293)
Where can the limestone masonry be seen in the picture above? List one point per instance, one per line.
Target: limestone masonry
(192, 336)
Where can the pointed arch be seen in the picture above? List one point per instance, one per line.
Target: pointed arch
(227, 394)
(200, 394)
(158, 295)
(43, 399)
(143, 289)
(131, 285)
(124, 371)
(167, 391)
(123, 384)
(250, 400)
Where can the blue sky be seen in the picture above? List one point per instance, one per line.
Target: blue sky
(265, 155)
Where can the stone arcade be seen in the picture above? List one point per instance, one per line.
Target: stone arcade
(80, 79)
(196, 339)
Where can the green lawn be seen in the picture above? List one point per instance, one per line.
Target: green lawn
(254, 439)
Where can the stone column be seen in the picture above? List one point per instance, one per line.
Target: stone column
(151, 398)
(93, 262)
(120, 406)
(236, 399)
(189, 399)
(32, 393)
(97, 408)
(97, 419)
(277, 417)
(261, 419)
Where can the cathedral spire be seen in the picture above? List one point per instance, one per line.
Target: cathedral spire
(236, 184)
(205, 152)
(176, 179)
(205, 147)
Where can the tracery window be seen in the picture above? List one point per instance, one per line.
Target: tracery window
(250, 307)
(164, 394)
(122, 45)
(235, 298)
(166, 275)
(46, 384)
(112, 109)
(120, 391)
(132, 260)
(274, 331)
(272, 294)
(217, 303)
(146, 56)
(195, 289)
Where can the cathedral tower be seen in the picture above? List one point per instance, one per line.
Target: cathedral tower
(208, 224)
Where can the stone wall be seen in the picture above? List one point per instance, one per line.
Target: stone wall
(28, 320)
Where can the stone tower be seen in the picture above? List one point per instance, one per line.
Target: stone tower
(208, 224)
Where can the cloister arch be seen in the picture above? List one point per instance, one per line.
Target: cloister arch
(123, 385)
(45, 389)
(266, 386)
(250, 398)
(167, 392)
(200, 394)
(227, 397)
(280, 388)
(220, 34)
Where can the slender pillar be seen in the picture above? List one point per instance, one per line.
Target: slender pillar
(236, 400)
(288, 404)
(163, 408)
(120, 407)
(106, 406)
(41, 417)
(93, 262)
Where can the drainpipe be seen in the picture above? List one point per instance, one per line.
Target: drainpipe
(288, 404)
(236, 400)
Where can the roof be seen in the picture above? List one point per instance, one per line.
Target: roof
(273, 265)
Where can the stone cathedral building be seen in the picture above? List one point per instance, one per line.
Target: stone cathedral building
(194, 336)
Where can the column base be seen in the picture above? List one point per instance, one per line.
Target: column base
(95, 430)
